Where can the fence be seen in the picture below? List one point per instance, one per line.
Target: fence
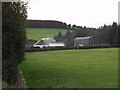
(20, 84)
(21, 81)
(64, 48)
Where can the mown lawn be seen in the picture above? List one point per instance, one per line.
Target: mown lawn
(38, 33)
(85, 68)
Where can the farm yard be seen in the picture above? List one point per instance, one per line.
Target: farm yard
(85, 68)
(39, 33)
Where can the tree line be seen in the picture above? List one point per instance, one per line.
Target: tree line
(109, 33)
(45, 24)
(51, 24)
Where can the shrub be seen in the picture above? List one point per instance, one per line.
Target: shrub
(13, 39)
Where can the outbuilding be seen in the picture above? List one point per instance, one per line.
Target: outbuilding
(89, 41)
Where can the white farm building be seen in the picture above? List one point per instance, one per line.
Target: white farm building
(48, 42)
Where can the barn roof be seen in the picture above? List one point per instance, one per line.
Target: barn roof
(83, 37)
(98, 41)
(92, 39)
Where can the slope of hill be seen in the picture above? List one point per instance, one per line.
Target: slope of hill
(38, 33)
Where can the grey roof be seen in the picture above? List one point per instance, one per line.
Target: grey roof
(98, 41)
(83, 37)
(92, 40)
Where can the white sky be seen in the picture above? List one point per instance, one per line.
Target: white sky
(90, 13)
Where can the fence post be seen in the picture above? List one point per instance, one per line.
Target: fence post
(21, 81)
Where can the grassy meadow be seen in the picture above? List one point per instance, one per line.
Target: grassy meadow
(85, 68)
(38, 33)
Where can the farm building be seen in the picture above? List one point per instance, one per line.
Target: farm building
(89, 41)
(48, 42)
(41, 44)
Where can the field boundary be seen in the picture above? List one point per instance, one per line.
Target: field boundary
(62, 48)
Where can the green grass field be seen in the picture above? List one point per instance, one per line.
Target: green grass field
(85, 68)
(38, 33)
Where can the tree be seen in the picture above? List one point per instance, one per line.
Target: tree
(113, 34)
(68, 38)
(78, 27)
(115, 37)
(14, 16)
(58, 37)
(69, 26)
(119, 35)
(74, 26)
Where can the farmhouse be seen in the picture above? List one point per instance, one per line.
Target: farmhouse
(89, 41)
(48, 42)
(41, 44)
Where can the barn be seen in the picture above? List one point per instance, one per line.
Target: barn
(89, 41)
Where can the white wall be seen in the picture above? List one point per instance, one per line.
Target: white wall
(10, 0)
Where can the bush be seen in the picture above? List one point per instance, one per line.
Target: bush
(13, 39)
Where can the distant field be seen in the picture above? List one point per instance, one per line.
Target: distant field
(86, 68)
(38, 33)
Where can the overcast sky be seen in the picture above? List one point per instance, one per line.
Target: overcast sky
(90, 13)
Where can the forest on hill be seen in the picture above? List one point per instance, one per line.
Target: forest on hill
(109, 33)
(45, 24)
(51, 24)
